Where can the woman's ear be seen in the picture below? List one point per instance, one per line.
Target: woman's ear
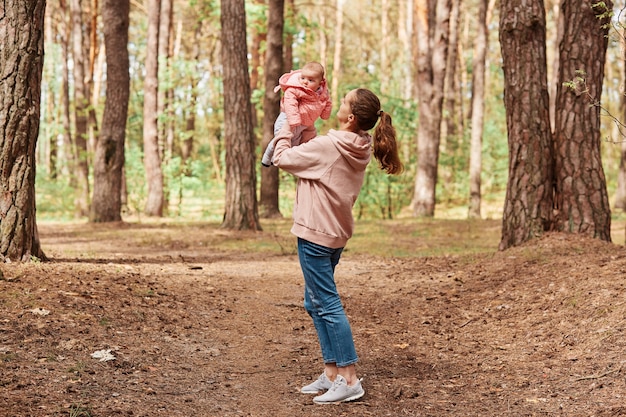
(352, 122)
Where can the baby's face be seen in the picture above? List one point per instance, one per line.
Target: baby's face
(310, 79)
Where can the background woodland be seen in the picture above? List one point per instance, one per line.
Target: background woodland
(437, 66)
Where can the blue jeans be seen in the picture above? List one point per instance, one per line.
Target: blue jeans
(322, 302)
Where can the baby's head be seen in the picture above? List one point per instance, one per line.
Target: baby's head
(312, 75)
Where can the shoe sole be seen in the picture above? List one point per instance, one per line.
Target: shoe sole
(310, 392)
(345, 400)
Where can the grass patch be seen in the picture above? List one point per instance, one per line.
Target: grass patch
(79, 410)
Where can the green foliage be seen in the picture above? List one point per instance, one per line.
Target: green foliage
(135, 179)
(194, 192)
(54, 198)
(382, 195)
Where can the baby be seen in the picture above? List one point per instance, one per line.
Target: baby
(305, 99)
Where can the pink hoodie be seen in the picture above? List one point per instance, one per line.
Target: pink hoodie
(330, 171)
(302, 105)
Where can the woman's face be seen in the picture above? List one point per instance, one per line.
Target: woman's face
(345, 109)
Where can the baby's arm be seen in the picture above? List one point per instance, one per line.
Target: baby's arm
(327, 110)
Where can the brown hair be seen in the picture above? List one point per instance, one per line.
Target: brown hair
(366, 109)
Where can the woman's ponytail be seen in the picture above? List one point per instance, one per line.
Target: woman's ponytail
(386, 146)
(366, 109)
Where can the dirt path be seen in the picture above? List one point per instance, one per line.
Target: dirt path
(535, 331)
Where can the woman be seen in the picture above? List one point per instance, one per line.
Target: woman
(330, 171)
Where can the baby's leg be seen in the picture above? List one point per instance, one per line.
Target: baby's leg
(266, 160)
(280, 121)
(307, 133)
(297, 135)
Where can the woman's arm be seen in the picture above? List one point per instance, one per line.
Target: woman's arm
(309, 160)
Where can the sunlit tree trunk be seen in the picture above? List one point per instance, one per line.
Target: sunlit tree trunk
(620, 191)
(478, 110)
(291, 14)
(151, 154)
(323, 38)
(405, 35)
(81, 112)
(66, 161)
(274, 65)
(555, 40)
(528, 205)
(384, 44)
(336, 73)
(241, 211)
(432, 24)
(109, 154)
(20, 93)
(581, 198)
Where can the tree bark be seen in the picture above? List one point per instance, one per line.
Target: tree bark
(478, 110)
(81, 112)
(432, 23)
(164, 58)
(581, 198)
(451, 126)
(271, 105)
(620, 191)
(21, 43)
(109, 154)
(241, 211)
(151, 154)
(405, 35)
(528, 205)
(336, 73)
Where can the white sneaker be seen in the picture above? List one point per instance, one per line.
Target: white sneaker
(320, 384)
(340, 392)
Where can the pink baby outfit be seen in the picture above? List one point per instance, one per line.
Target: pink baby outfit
(302, 105)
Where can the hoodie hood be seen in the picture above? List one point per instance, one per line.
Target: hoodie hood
(354, 147)
(292, 79)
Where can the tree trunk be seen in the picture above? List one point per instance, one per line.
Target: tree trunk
(151, 155)
(322, 33)
(21, 67)
(581, 198)
(620, 191)
(528, 205)
(478, 110)
(432, 24)
(109, 154)
(450, 126)
(291, 17)
(556, 37)
(163, 66)
(405, 35)
(271, 104)
(81, 112)
(385, 34)
(66, 158)
(241, 210)
(336, 73)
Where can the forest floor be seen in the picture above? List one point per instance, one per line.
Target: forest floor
(170, 320)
